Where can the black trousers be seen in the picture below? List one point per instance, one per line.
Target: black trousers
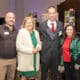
(70, 72)
(52, 65)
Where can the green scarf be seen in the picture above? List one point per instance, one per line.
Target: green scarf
(34, 42)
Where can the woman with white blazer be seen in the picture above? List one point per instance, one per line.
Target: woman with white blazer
(28, 46)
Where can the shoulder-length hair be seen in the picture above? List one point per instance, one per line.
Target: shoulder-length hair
(74, 31)
(25, 19)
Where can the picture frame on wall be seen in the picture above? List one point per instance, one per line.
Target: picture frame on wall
(69, 17)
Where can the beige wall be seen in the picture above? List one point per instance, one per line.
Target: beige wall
(38, 6)
(23, 7)
(19, 12)
(6, 5)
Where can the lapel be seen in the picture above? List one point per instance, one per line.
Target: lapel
(51, 35)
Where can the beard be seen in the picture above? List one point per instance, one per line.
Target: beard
(11, 23)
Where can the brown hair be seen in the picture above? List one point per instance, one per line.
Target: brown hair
(51, 7)
(74, 31)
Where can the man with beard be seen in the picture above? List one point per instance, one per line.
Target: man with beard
(8, 48)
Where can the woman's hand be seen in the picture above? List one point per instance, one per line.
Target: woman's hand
(38, 48)
(34, 50)
(77, 67)
(61, 69)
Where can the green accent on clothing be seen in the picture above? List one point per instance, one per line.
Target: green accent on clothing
(74, 49)
(31, 73)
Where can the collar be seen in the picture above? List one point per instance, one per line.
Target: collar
(7, 28)
(49, 22)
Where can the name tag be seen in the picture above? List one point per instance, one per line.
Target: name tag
(6, 33)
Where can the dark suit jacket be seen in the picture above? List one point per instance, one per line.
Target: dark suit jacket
(51, 41)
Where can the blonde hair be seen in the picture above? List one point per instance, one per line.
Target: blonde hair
(25, 19)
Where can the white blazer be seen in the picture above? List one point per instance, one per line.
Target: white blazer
(24, 48)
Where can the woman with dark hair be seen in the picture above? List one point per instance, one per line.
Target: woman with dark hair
(70, 58)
